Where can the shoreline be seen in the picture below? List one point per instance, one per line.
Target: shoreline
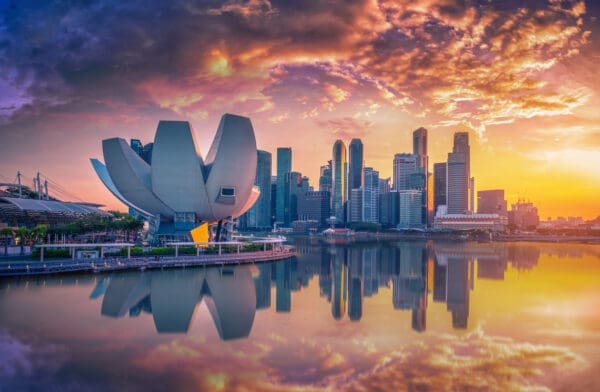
(25, 268)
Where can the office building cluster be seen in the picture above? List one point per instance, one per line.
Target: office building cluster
(351, 193)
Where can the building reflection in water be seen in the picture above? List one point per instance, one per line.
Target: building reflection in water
(346, 274)
(171, 296)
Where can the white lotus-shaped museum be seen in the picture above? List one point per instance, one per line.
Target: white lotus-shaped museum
(179, 186)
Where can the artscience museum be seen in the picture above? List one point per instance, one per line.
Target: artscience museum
(180, 190)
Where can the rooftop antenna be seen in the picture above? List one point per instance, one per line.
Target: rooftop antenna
(39, 184)
(19, 182)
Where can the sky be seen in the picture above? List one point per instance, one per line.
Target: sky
(520, 76)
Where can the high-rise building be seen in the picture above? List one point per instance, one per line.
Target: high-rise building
(355, 165)
(137, 146)
(339, 180)
(420, 147)
(143, 151)
(404, 166)
(459, 176)
(389, 203)
(439, 185)
(355, 205)
(284, 166)
(370, 196)
(457, 184)
(293, 189)
(419, 179)
(314, 206)
(410, 209)
(259, 216)
(325, 180)
(273, 199)
(491, 202)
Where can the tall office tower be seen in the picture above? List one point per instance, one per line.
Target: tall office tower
(457, 184)
(461, 146)
(325, 181)
(314, 205)
(404, 166)
(410, 209)
(384, 185)
(419, 180)
(355, 205)
(492, 202)
(273, 199)
(439, 185)
(137, 146)
(370, 196)
(293, 189)
(339, 177)
(284, 166)
(306, 185)
(420, 147)
(259, 216)
(147, 153)
(389, 204)
(355, 165)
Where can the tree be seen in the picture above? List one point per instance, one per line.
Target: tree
(22, 233)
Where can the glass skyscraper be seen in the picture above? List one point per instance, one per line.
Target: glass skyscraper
(284, 167)
(355, 165)
(259, 216)
(339, 174)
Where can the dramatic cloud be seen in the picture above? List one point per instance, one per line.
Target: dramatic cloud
(302, 67)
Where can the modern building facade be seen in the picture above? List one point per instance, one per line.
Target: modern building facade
(460, 222)
(419, 180)
(339, 170)
(355, 164)
(410, 209)
(457, 196)
(524, 216)
(439, 185)
(355, 205)
(284, 167)
(492, 202)
(404, 166)
(325, 178)
(370, 196)
(259, 216)
(180, 189)
(314, 206)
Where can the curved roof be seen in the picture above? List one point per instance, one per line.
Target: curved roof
(53, 206)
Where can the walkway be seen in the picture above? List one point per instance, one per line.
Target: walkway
(109, 264)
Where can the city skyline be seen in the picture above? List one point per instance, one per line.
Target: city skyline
(519, 78)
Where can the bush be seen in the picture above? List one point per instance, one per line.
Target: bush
(51, 253)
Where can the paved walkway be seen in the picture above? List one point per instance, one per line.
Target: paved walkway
(31, 267)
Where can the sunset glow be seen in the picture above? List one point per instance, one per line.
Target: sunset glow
(520, 77)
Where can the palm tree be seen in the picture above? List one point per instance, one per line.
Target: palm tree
(7, 232)
(22, 233)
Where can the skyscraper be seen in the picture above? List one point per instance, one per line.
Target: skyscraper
(370, 195)
(284, 166)
(410, 209)
(293, 189)
(325, 181)
(404, 166)
(339, 180)
(491, 202)
(355, 165)
(420, 151)
(439, 185)
(457, 184)
(420, 147)
(259, 216)
(458, 175)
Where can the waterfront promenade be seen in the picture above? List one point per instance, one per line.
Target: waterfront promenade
(109, 264)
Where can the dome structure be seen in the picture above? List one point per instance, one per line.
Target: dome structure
(180, 186)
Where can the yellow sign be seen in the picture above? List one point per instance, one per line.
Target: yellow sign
(200, 234)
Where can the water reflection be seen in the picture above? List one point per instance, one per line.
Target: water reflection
(346, 275)
(171, 296)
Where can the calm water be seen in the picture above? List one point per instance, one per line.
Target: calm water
(393, 316)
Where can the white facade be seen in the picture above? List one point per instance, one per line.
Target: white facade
(179, 185)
